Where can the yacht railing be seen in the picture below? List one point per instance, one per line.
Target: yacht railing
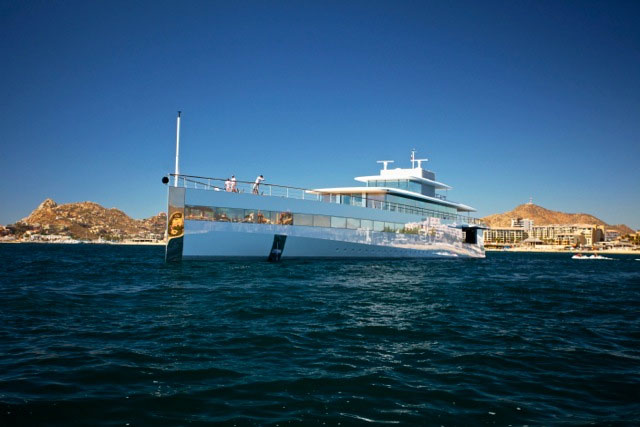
(274, 190)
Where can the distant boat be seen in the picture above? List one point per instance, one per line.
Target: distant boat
(580, 256)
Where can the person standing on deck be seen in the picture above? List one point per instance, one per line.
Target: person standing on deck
(227, 185)
(234, 184)
(256, 185)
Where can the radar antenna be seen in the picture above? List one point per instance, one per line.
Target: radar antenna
(384, 163)
(414, 160)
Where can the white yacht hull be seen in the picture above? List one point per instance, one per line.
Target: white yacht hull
(204, 237)
(245, 241)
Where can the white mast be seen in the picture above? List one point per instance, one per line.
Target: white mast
(175, 180)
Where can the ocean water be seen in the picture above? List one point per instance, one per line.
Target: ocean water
(110, 335)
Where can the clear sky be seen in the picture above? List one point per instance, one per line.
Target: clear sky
(507, 99)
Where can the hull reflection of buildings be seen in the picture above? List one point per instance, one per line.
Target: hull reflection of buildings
(524, 232)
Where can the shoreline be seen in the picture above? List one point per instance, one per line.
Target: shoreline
(568, 251)
(540, 250)
(14, 242)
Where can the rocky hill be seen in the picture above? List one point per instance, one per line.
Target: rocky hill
(88, 221)
(542, 216)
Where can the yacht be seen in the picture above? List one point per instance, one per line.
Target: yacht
(398, 213)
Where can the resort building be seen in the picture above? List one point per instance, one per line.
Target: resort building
(611, 235)
(569, 234)
(504, 235)
(525, 223)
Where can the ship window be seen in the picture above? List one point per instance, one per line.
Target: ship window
(378, 225)
(249, 215)
(338, 222)
(389, 227)
(302, 219)
(221, 214)
(285, 218)
(415, 187)
(353, 223)
(189, 212)
(235, 215)
(346, 199)
(321, 221)
(264, 217)
(366, 224)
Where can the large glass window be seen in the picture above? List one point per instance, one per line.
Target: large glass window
(250, 215)
(236, 215)
(263, 217)
(353, 223)
(338, 222)
(415, 187)
(420, 204)
(285, 218)
(303, 219)
(321, 221)
(221, 214)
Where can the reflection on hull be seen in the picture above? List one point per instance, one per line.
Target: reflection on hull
(206, 239)
(222, 224)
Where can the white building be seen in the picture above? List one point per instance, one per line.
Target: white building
(569, 234)
(525, 223)
(504, 235)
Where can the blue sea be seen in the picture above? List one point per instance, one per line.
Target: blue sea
(111, 335)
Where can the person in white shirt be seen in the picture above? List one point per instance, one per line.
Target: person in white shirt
(256, 185)
(234, 187)
(227, 185)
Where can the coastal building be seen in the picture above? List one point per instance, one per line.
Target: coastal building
(611, 235)
(569, 234)
(504, 235)
(525, 223)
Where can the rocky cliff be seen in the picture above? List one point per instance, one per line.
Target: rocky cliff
(89, 221)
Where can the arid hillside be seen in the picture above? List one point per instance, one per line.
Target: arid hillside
(89, 221)
(542, 216)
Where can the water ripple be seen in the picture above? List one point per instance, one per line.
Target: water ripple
(112, 335)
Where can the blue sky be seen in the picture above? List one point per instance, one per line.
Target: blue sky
(507, 99)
